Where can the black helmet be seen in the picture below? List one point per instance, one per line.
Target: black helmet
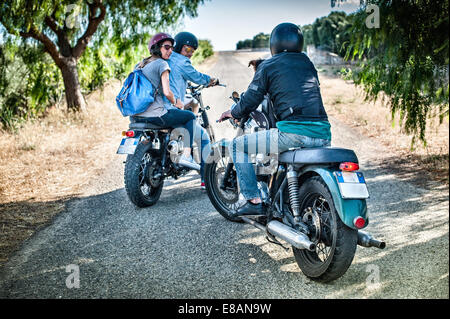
(286, 37)
(185, 38)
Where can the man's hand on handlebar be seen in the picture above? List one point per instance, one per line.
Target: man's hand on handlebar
(213, 82)
(225, 115)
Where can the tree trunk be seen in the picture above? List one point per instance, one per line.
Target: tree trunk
(74, 98)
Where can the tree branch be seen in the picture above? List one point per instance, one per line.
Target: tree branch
(94, 22)
(49, 46)
(52, 24)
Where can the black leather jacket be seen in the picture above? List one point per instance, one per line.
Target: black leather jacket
(291, 81)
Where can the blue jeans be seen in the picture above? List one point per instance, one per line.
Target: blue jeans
(201, 137)
(267, 142)
(173, 118)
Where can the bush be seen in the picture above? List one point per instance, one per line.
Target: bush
(204, 50)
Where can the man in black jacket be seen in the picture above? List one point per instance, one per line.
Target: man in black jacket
(291, 80)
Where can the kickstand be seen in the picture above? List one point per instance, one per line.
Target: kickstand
(273, 240)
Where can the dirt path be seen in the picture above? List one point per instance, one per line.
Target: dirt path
(182, 248)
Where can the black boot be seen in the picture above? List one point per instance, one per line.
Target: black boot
(250, 209)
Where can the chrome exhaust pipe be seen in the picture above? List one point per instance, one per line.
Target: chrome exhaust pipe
(290, 235)
(366, 240)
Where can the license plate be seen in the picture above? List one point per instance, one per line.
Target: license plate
(128, 146)
(352, 184)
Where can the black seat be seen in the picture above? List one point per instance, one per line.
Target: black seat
(319, 155)
(146, 126)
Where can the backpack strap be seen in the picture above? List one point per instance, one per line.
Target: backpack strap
(141, 65)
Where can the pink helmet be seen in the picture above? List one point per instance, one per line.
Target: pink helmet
(160, 37)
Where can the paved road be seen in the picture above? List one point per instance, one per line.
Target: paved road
(182, 248)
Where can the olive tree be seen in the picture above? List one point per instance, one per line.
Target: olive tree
(64, 28)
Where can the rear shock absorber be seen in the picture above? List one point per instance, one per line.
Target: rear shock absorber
(292, 178)
(294, 199)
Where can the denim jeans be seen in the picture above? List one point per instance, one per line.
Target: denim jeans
(201, 138)
(174, 118)
(267, 142)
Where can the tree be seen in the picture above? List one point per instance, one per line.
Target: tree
(261, 40)
(329, 33)
(64, 28)
(406, 58)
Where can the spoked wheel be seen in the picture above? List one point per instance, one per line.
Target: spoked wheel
(335, 242)
(143, 177)
(224, 200)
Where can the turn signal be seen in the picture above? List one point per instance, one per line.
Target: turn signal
(359, 222)
(349, 166)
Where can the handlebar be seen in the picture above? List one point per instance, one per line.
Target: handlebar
(200, 87)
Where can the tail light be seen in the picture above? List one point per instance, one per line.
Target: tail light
(128, 133)
(349, 166)
(359, 222)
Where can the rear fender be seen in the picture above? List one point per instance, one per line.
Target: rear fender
(348, 209)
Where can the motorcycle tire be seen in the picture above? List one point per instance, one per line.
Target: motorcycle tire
(335, 242)
(223, 203)
(142, 191)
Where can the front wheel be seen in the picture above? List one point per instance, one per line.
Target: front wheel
(224, 200)
(143, 176)
(335, 242)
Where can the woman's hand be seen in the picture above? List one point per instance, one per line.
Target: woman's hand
(179, 104)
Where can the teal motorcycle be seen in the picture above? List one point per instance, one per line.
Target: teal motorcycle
(314, 198)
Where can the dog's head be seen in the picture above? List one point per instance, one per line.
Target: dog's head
(255, 63)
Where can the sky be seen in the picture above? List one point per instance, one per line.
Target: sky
(225, 22)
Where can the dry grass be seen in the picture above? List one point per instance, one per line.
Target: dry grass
(50, 160)
(346, 102)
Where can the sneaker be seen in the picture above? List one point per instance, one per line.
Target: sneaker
(188, 162)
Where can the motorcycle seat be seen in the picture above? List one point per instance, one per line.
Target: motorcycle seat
(318, 155)
(146, 126)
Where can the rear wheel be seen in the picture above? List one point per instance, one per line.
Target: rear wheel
(227, 200)
(335, 242)
(143, 176)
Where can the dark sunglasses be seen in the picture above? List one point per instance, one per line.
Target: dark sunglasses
(168, 47)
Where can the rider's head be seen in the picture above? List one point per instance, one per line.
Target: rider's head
(286, 37)
(186, 43)
(161, 45)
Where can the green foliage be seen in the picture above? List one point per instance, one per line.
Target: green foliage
(204, 50)
(331, 33)
(30, 81)
(406, 58)
(260, 40)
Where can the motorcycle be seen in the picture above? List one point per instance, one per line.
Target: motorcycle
(152, 155)
(314, 198)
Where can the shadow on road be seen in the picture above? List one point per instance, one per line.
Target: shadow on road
(182, 248)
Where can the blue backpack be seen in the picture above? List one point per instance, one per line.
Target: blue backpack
(136, 95)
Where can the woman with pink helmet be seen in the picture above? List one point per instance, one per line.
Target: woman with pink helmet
(166, 111)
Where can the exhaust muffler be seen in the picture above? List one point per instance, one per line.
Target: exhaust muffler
(366, 240)
(290, 235)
